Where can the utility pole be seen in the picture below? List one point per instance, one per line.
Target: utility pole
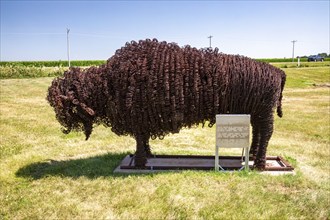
(210, 40)
(68, 44)
(294, 41)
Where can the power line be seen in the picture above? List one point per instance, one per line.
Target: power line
(210, 40)
(293, 42)
(68, 44)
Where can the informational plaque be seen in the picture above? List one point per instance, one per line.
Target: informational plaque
(232, 131)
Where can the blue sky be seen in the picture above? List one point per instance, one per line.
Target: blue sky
(36, 30)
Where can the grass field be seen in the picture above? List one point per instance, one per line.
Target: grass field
(48, 175)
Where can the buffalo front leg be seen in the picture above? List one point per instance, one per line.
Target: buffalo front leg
(266, 131)
(140, 154)
(147, 147)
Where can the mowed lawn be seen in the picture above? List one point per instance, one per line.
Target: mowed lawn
(45, 174)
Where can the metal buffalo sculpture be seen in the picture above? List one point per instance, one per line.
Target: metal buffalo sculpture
(149, 89)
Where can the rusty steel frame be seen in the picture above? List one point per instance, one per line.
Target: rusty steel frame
(128, 163)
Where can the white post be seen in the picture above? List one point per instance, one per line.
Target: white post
(298, 61)
(68, 45)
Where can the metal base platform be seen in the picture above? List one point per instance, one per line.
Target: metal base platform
(194, 162)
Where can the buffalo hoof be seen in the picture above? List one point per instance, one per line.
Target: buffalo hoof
(259, 168)
(259, 165)
(140, 162)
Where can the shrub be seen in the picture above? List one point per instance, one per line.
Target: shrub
(21, 71)
(54, 63)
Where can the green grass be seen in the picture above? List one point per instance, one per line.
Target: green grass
(307, 77)
(46, 174)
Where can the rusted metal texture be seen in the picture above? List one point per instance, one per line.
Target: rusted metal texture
(149, 89)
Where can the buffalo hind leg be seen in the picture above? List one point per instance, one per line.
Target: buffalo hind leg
(255, 140)
(266, 131)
